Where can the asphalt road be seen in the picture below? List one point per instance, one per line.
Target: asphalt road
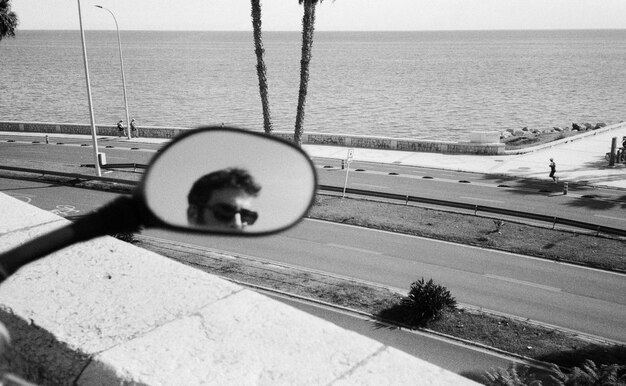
(581, 299)
(452, 355)
(573, 297)
(605, 207)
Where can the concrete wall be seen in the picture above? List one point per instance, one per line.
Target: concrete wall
(105, 312)
(69, 128)
(361, 141)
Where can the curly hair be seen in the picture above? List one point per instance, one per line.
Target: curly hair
(237, 178)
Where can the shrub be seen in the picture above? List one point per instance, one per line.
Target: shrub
(513, 376)
(125, 236)
(588, 374)
(425, 302)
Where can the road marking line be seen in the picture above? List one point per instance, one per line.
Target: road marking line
(64, 210)
(481, 199)
(353, 248)
(370, 185)
(21, 197)
(610, 217)
(503, 278)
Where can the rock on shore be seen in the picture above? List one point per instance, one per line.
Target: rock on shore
(527, 137)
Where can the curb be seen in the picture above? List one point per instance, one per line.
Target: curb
(465, 342)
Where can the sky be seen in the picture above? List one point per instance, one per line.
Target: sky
(337, 15)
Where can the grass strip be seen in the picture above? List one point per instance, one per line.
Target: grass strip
(559, 245)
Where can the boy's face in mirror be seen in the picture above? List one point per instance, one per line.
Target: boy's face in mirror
(227, 208)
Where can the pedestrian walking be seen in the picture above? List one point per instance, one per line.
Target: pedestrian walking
(120, 128)
(133, 129)
(553, 171)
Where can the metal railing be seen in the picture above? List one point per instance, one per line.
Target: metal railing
(481, 208)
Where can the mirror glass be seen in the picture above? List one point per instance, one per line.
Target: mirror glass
(224, 180)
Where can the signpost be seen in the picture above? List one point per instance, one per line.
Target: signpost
(613, 148)
(348, 161)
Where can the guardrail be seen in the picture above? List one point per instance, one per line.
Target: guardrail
(481, 208)
(392, 196)
(134, 166)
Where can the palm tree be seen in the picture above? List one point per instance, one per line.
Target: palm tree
(260, 64)
(308, 26)
(8, 20)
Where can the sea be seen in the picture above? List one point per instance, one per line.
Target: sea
(422, 85)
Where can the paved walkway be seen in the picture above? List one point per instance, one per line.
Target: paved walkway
(579, 159)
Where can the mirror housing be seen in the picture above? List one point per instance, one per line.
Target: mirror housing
(225, 180)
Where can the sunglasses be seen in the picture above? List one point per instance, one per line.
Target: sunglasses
(226, 213)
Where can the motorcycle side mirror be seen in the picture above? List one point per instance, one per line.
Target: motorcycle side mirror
(220, 180)
(216, 180)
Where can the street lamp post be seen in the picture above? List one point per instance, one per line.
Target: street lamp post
(91, 115)
(119, 43)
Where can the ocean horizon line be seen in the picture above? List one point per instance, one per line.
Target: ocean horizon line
(346, 31)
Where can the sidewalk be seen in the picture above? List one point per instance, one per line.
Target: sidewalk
(578, 159)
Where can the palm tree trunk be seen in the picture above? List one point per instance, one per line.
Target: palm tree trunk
(308, 26)
(260, 66)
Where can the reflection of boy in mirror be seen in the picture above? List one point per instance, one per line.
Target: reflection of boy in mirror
(222, 199)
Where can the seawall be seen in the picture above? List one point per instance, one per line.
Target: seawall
(480, 144)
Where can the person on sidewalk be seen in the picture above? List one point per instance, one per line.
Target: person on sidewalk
(120, 128)
(133, 129)
(553, 171)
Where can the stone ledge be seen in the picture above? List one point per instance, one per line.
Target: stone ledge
(105, 312)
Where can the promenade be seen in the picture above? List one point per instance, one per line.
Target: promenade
(579, 159)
